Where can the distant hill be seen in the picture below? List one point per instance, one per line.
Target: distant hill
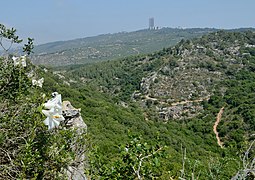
(112, 46)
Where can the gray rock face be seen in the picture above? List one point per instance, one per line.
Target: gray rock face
(74, 120)
(73, 117)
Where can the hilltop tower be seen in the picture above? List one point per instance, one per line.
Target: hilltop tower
(151, 23)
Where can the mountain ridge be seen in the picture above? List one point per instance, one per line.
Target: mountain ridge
(111, 46)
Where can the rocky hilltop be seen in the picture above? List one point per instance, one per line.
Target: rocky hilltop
(190, 74)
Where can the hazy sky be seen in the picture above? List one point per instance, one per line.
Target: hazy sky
(53, 20)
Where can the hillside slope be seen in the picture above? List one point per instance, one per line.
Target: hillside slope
(186, 80)
(110, 121)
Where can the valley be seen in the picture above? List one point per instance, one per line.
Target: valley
(164, 107)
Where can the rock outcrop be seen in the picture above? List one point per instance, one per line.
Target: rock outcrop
(74, 120)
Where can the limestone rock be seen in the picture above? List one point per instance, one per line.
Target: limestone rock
(72, 116)
(74, 120)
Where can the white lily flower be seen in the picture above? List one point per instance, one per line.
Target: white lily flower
(19, 61)
(54, 114)
(53, 118)
(56, 101)
(23, 61)
(38, 82)
(15, 60)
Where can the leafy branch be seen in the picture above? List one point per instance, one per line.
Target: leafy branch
(9, 34)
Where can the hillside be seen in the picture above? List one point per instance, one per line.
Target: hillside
(185, 81)
(189, 71)
(111, 46)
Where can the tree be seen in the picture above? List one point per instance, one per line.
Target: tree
(137, 160)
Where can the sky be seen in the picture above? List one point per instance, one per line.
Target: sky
(57, 20)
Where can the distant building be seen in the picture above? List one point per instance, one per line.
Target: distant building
(151, 23)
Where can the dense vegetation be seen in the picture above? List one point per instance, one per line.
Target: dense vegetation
(224, 63)
(121, 102)
(27, 149)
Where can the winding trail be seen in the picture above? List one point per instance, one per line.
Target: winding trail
(180, 102)
(215, 127)
(190, 101)
(151, 98)
(138, 52)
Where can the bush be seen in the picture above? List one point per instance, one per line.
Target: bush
(27, 149)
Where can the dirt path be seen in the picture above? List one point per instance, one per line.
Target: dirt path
(138, 52)
(215, 127)
(151, 98)
(180, 102)
(189, 101)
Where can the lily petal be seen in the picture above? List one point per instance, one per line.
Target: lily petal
(46, 121)
(46, 112)
(49, 105)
